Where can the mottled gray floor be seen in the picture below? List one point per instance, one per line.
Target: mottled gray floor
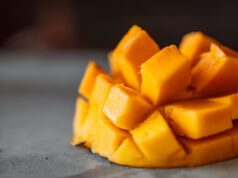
(37, 94)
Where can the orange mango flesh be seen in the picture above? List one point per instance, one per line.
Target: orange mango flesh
(195, 43)
(212, 149)
(231, 100)
(215, 73)
(157, 141)
(81, 110)
(198, 119)
(125, 107)
(134, 49)
(164, 75)
(132, 117)
(90, 75)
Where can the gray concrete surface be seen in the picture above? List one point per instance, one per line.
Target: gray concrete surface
(37, 95)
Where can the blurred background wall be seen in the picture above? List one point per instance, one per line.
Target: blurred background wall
(81, 24)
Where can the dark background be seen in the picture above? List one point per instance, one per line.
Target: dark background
(80, 24)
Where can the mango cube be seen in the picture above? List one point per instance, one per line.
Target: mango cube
(107, 137)
(165, 75)
(201, 118)
(134, 49)
(233, 133)
(89, 78)
(156, 140)
(231, 100)
(125, 107)
(195, 43)
(128, 154)
(208, 150)
(81, 110)
(101, 89)
(215, 73)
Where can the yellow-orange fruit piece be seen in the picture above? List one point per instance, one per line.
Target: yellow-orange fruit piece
(165, 75)
(125, 107)
(81, 110)
(133, 49)
(200, 118)
(107, 137)
(101, 89)
(89, 78)
(212, 149)
(129, 154)
(100, 92)
(157, 142)
(195, 43)
(231, 100)
(215, 73)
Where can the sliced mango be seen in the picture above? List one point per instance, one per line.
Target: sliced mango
(107, 138)
(89, 78)
(215, 73)
(233, 133)
(134, 49)
(144, 114)
(129, 154)
(195, 43)
(231, 100)
(209, 150)
(201, 118)
(101, 89)
(156, 140)
(164, 75)
(125, 107)
(81, 110)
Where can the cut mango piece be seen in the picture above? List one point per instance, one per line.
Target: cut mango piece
(234, 135)
(215, 73)
(201, 118)
(125, 107)
(107, 138)
(231, 100)
(96, 127)
(134, 49)
(89, 78)
(101, 89)
(209, 150)
(81, 111)
(156, 140)
(195, 43)
(165, 75)
(129, 154)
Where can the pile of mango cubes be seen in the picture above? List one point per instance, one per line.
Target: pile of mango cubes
(169, 107)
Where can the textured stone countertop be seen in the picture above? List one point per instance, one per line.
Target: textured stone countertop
(37, 95)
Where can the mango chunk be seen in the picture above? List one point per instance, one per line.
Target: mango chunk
(107, 138)
(209, 150)
(215, 73)
(165, 75)
(81, 110)
(134, 49)
(233, 133)
(89, 78)
(128, 154)
(96, 127)
(156, 140)
(195, 43)
(231, 100)
(101, 89)
(125, 107)
(200, 118)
